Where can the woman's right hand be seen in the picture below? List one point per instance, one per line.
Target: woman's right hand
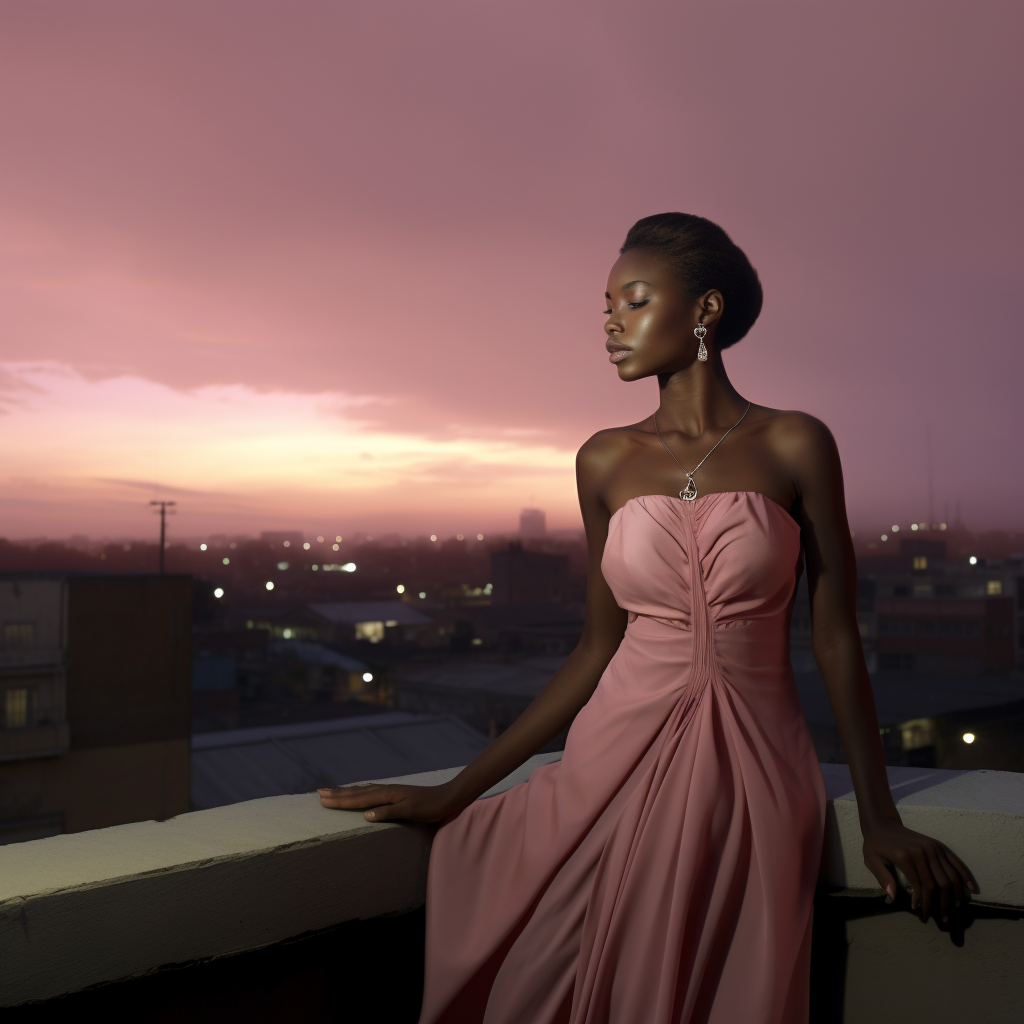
(385, 802)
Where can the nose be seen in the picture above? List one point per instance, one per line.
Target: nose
(613, 325)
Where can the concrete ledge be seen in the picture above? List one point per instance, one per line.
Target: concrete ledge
(93, 907)
(979, 815)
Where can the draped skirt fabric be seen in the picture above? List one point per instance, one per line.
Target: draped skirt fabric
(664, 869)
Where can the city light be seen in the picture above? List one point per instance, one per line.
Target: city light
(319, 540)
(969, 737)
(885, 536)
(305, 547)
(973, 559)
(226, 561)
(270, 585)
(287, 634)
(202, 547)
(479, 536)
(459, 536)
(337, 540)
(335, 547)
(315, 568)
(433, 536)
(219, 593)
(400, 588)
(895, 528)
(282, 566)
(349, 567)
(913, 526)
(287, 543)
(367, 677)
(423, 594)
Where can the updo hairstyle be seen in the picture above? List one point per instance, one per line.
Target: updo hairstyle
(705, 257)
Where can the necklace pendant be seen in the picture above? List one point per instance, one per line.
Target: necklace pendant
(689, 492)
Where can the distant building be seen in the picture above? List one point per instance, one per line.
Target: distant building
(293, 538)
(94, 698)
(487, 696)
(525, 577)
(532, 523)
(340, 622)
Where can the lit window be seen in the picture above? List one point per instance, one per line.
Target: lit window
(920, 562)
(995, 588)
(282, 566)
(16, 709)
(390, 622)
(372, 631)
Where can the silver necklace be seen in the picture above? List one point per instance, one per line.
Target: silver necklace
(689, 492)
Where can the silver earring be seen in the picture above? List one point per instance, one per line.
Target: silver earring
(702, 352)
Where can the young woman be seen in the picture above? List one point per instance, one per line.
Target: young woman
(663, 871)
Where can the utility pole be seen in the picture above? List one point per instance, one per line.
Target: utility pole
(164, 505)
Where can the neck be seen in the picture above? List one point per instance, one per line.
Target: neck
(699, 398)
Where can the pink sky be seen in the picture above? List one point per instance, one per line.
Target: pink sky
(339, 266)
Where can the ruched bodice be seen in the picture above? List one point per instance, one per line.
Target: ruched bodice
(744, 547)
(663, 870)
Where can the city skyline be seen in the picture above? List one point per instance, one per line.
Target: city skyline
(282, 308)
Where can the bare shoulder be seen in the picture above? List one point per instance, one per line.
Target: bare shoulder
(797, 439)
(602, 453)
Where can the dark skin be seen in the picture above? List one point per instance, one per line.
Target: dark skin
(789, 457)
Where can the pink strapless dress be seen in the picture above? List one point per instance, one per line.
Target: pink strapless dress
(664, 869)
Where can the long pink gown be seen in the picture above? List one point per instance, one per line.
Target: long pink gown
(662, 871)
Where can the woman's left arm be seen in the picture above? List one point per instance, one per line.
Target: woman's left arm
(930, 867)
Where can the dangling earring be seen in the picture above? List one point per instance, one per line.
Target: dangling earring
(700, 330)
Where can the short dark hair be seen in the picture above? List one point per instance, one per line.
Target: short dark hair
(705, 257)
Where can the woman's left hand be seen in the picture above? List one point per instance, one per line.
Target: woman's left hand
(930, 867)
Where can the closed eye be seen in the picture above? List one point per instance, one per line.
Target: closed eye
(607, 312)
(637, 305)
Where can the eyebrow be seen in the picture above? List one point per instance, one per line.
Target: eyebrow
(630, 285)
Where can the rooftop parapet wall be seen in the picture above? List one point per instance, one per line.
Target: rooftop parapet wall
(79, 910)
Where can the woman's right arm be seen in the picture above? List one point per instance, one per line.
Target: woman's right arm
(549, 712)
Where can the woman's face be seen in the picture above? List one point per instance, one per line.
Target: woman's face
(650, 320)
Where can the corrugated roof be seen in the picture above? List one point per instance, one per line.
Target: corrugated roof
(245, 764)
(351, 612)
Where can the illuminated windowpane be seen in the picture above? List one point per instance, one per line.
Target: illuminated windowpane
(18, 635)
(995, 587)
(920, 562)
(372, 631)
(16, 709)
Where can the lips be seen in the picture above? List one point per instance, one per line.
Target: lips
(617, 352)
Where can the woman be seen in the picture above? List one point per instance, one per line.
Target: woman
(664, 870)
